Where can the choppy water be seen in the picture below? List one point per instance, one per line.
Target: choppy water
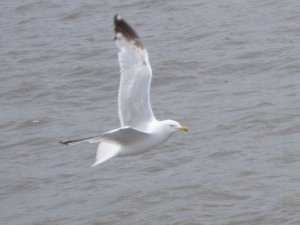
(230, 70)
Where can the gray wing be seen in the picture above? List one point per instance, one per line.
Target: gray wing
(125, 135)
(134, 106)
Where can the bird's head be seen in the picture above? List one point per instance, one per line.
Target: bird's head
(172, 126)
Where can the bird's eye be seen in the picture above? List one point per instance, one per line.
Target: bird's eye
(172, 125)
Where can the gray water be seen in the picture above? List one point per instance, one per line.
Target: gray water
(230, 70)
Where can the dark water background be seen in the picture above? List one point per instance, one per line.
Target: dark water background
(230, 70)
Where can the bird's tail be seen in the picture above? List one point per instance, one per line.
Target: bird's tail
(78, 141)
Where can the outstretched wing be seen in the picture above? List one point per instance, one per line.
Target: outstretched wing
(112, 141)
(125, 135)
(105, 151)
(134, 92)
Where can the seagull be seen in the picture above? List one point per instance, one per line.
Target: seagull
(140, 131)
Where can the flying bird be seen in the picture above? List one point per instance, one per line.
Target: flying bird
(140, 130)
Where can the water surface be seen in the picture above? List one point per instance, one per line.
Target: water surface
(229, 70)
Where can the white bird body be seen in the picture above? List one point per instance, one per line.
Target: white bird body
(140, 131)
(155, 137)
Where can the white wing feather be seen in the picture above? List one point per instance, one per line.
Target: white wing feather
(134, 92)
(105, 151)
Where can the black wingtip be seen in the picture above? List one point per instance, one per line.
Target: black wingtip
(121, 26)
(117, 17)
(64, 142)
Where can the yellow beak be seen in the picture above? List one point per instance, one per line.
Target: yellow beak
(184, 129)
